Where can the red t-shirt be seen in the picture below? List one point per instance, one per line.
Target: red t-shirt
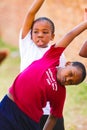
(37, 84)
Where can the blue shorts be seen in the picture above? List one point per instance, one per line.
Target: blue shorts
(12, 118)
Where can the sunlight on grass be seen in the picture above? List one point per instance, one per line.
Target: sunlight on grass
(75, 106)
(9, 68)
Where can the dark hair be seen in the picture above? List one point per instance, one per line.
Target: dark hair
(81, 67)
(46, 19)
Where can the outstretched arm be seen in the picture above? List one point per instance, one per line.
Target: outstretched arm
(66, 40)
(83, 50)
(30, 16)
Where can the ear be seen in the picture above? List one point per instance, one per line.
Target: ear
(68, 63)
(52, 37)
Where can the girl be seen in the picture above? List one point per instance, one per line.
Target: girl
(35, 39)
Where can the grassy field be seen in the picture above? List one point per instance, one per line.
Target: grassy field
(75, 112)
(9, 68)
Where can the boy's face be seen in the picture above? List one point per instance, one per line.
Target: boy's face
(42, 33)
(70, 75)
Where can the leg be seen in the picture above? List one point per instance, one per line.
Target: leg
(60, 124)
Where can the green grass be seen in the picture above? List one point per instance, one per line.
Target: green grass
(77, 94)
(75, 105)
(76, 99)
(4, 45)
(9, 67)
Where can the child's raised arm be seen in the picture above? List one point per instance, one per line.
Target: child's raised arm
(30, 16)
(67, 38)
(83, 50)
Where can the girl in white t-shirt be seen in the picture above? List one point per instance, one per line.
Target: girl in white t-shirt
(35, 39)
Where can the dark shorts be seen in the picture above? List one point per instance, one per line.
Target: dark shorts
(12, 118)
(59, 125)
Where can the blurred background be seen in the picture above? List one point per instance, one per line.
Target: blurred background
(65, 14)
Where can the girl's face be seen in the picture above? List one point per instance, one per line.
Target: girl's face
(42, 33)
(70, 75)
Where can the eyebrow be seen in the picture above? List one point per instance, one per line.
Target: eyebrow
(42, 29)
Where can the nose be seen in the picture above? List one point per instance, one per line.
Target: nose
(69, 80)
(40, 34)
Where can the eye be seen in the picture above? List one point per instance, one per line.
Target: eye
(70, 74)
(45, 32)
(35, 31)
(70, 82)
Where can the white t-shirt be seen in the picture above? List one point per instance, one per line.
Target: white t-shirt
(29, 52)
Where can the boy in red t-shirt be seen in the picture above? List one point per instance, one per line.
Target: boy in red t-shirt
(40, 82)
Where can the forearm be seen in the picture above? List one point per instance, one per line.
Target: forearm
(66, 40)
(35, 6)
(83, 50)
(50, 123)
(30, 16)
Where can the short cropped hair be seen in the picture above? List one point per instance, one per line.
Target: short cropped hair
(80, 66)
